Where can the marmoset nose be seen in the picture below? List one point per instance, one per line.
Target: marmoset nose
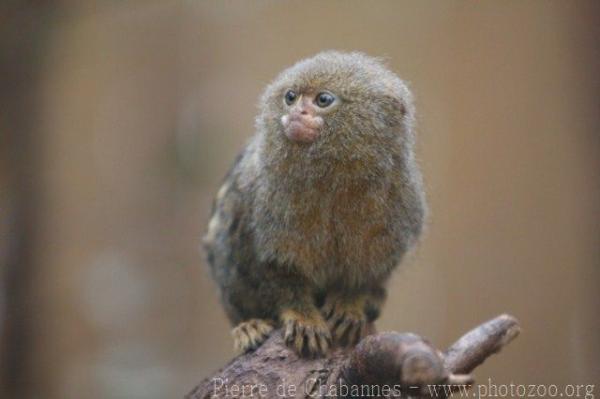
(304, 107)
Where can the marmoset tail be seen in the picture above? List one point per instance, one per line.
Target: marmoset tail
(320, 206)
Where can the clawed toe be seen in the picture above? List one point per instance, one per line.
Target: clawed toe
(308, 335)
(346, 320)
(347, 328)
(250, 334)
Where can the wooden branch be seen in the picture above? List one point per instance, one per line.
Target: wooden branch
(478, 344)
(405, 362)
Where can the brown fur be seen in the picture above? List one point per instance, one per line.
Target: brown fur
(298, 224)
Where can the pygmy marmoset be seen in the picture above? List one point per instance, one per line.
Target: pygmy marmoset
(320, 206)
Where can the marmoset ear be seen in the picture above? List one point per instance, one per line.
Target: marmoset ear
(390, 110)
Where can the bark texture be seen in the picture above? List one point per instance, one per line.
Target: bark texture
(402, 362)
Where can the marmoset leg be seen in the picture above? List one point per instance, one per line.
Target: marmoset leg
(304, 327)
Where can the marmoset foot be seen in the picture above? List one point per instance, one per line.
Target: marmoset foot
(250, 334)
(346, 319)
(308, 334)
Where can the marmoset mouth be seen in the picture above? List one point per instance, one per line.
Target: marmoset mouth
(299, 132)
(301, 128)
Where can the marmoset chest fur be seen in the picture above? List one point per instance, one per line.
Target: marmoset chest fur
(346, 225)
(321, 205)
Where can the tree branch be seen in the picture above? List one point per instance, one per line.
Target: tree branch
(391, 359)
(478, 344)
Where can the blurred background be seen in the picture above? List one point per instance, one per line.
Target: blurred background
(119, 119)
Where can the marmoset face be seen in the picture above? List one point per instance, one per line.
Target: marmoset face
(336, 103)
(304, 112)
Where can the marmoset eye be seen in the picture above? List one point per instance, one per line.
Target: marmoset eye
(324, 99)
(290, 97)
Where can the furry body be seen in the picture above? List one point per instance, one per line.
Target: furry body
(306, 234)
